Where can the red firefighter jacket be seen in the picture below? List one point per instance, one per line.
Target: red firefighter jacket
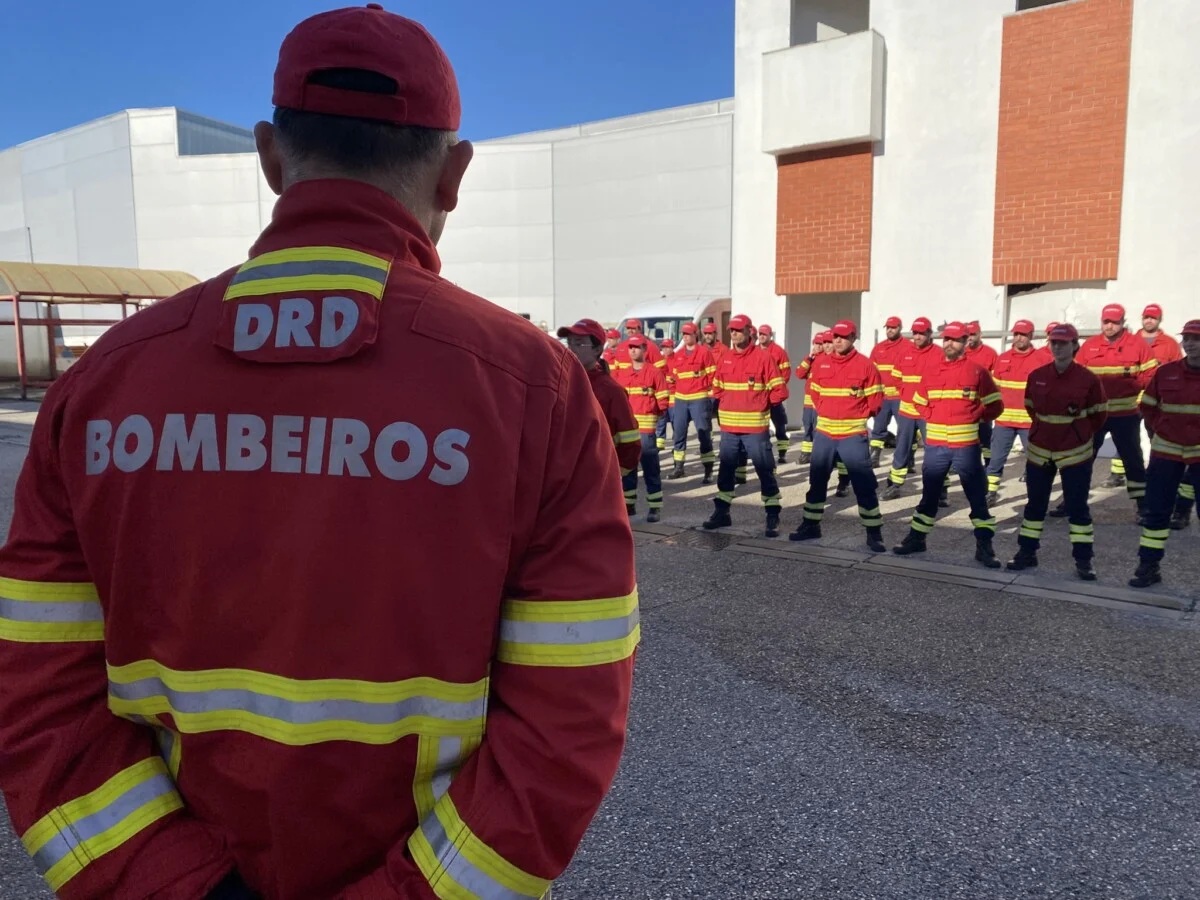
(648, 395)
(747, 384)
(691, 372)
(276, 598)
(610, 358)
(1171, 406)
(1163, 347)
(983, 356)
(804, 373)
(954, 397)
(780, 357)
(1067, 410)
(849, 390)
(1011, 373)
(912, 365)
(886, 355)
(718, 350)
(1124, 367)
(614, 404)
(653, 356)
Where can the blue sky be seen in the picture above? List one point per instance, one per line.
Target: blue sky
(522, 65)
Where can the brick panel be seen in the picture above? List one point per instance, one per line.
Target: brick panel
(823, 225)
(1064, 93)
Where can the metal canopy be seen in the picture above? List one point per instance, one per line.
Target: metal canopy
(81, 283)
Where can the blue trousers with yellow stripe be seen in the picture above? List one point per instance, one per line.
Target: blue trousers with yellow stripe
(1076, 482)
(808, 419)
(889, 412)
(756, 448)
(779, 420)
(968, 463)
(660, 431)
(1126, 433)
(652, 473)
(1164, 477)
(852, 453)
(906, 436)
(700, 413)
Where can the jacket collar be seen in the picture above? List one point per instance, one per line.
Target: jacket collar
(344, 212)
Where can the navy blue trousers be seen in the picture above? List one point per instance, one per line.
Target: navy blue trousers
(883, 418)
(906, 434)
(1004, 437)
(1163, 480)
(809, 420)
(700, 413)
(1126, 433)
(1076, 482)
(650, 471)
(854, 454)
(779, 420)
(968, 463)
(756, 448)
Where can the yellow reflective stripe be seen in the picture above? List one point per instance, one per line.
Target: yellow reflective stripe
(627, 437)
(825, 391)
(317, 254)
(747, 387)
(957, 394)
(1012, 385)
(1187, 452)
(742, 418)
(646, 420)
(1148, 399)
(699, 395)
(910, 379)
(438, 761)
(662, 395)
(919, 400)
(569, 633)
(1121, 404)
(808, 399)
(991, 398)
(1148, 365)
(841, 426)
(458, 865)
(1014, 417)
(1061, 458)
(69, 837)
(775, 382)
(1186, 409)
(50, 612)
(909, 410)
(954, 431)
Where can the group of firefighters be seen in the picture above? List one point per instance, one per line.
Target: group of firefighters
(963, 401)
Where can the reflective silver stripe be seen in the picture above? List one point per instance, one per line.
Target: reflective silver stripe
(31, 611)
(314, 267)
(297, 712)
(75, 833)
(448, 750)
(461, 869)
(569, 632)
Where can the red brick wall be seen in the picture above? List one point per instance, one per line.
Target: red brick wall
(823, 225)
(1064, 91)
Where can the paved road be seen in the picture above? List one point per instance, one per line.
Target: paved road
(801, 731)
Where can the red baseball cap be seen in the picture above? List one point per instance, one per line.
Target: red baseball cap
(765, 329)
(1064, 332)
(636, 341)
(1192, 327)
(668, 342)
(1022, 326)
(1114, 312)
(612, 333)
(921, 324)
(954, 330)
(371, 38)
(973, 328)
(893, 322)
(825, 337)
(845, 328)
(1051, 327)
(589, 327)
(688, 328)
(630, 324)
(710, 328)
(740, 323)
(1153, 310)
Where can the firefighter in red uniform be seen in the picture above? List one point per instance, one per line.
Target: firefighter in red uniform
(1171, 405)
(646, 386)
(809, 417)
(271, 627)
(954, 397)
(691, 375)
(1124, 364)
(586, 340)
(886, 354)
(612, 337)
(746, 384)
(985, 357)
(913, 362)
(709, 336)
(766, 340)
(1011, 374)
(849, 391)
(1165, 349)
(1067, 408)
(633, 328)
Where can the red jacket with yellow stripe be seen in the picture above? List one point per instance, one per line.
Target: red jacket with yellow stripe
(647, 391)
(653, 356)
(614, 404)
(886, 355)
(913, 364)
(780, 358)
(849, 390)
(983, 356)
(954, 397)
(1011, 374)
(747, 384)
(1164, 348)
(260, 609)
(692, 372)
(1067, 408)
(1124, 367)
(1171, 406)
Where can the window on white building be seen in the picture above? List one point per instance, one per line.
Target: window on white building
(820, 20)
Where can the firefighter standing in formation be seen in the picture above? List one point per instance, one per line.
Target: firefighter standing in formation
(886, 355)
(809, 417)
(766, 340)
(586, 340)
(1171, 405)
(747, 383)
(713, 342)
(1067, 409)
(848, 391)
(646, 386)
(633, 328)
(954, 397)
(1011, 374)
(692, 369)
(985, 357)
(912, 364)
(612, 337)
(250, 685)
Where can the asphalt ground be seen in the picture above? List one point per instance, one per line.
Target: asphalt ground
(801, 730)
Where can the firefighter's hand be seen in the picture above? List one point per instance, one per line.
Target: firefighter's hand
(232, 888)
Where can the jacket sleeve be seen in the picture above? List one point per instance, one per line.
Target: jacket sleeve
(1149, 403)
(920, 401)
(709, 364)
(624, 429)
(785, 365)
(804, 368)
(1097, 404)
(873, 388)
(989, 396)
(514, 814)
(777, 391)
(88, 793)
(718, 386)
(1146, 364)
(662, 393)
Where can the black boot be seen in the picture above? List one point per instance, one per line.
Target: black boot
(992, 498)
(652, 515)
(1147, 574)
(984, 552)
(944, 498)
(739, 479)
(1179, 520)
(804, 458)
(914, 542)
(1115, 481)
(891, 492)
(875, 540)
(783, 456)
(843, 488)
(631, 509)
(1060, 511)
(708, 467)
(808, 531)
(772, 521)
(1025, 559)
(1084, 569)
(676, 472)
(876, 452)
(720, 517)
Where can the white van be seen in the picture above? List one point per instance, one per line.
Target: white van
(665, 318)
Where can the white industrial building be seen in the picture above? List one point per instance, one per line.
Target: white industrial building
(873, 161)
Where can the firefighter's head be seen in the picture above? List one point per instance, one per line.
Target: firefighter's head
(827, 341)
(1064, 343)
(710, 333)
(894, 326)
(689, 334)
(1112, 320)
(585, 339)
(741, 331)
(922, 332)
(974, 335)
(612, 337)
(1152, 318)
(637, 348)
(845, 333)
(1022, 332)
(1190, 341)
(366, 95)
(766, 334)
(954, 340)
